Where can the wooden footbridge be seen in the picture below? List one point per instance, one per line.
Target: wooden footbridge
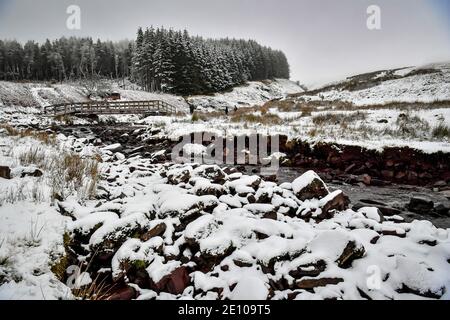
(149, 108)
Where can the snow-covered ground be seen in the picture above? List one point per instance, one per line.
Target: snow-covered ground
(39, 95)
(370, 128)
(171, 231)
(198, 232)
(418, 115)
(408, 87)
(251, 94)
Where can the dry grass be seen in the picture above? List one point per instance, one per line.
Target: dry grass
(34, 155)
(411, 126)
(76, 174)
(66, 119)
(268, 119)
(96, 290)
(197, 116)
(42, 136)
(441, 131)
(66, 173)
(338, 118)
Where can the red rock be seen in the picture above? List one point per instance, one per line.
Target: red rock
(336, 201)
(367, 180)
(174, 283)
(154, 232)
(400, 175)
(351, 252)
(387, 174)
(126, 293)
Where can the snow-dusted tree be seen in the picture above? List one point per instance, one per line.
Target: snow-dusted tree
(158, 60)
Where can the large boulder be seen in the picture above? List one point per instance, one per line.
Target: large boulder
(309, 186)
(333, 202)
(175, 282)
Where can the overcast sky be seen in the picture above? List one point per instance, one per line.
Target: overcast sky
(324, 40)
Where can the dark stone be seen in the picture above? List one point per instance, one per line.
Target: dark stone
(393, 233)
(242, 264)
(338, 203)
(157, 231)
(251, 198)
(421, 205)
(377, 183)
(385, 211)
(260, 235)
(34, 172)
(213, 173)
(431, 243)
(309, 284)
(306, 271)
(442, 210)
(5, 172)
(351, 252)
(375, 240)
(126, 293)
(316, 189)
(372, 202)
(427, 294)
(180, 177)
(270, 215)
(225, 268)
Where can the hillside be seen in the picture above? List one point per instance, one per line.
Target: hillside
(426, 84)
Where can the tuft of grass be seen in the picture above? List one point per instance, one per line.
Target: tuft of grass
(4, 260)
(97, 290)
(268, 119)
(441, 131)
(197, 116)
(411, 126)
(34, 237)
(67, 173)
(76, 174)
(338, 118)
(34, 155)
(42, 136)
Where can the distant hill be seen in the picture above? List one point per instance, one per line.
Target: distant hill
(429, 83)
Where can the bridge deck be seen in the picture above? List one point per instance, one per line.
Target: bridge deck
(151, 107)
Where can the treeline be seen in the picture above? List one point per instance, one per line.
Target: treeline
(65, 59)
(159, 60)
(170, 61)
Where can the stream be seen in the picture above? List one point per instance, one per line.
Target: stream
(392, 198)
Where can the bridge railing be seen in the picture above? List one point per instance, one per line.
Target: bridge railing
(111, 107)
